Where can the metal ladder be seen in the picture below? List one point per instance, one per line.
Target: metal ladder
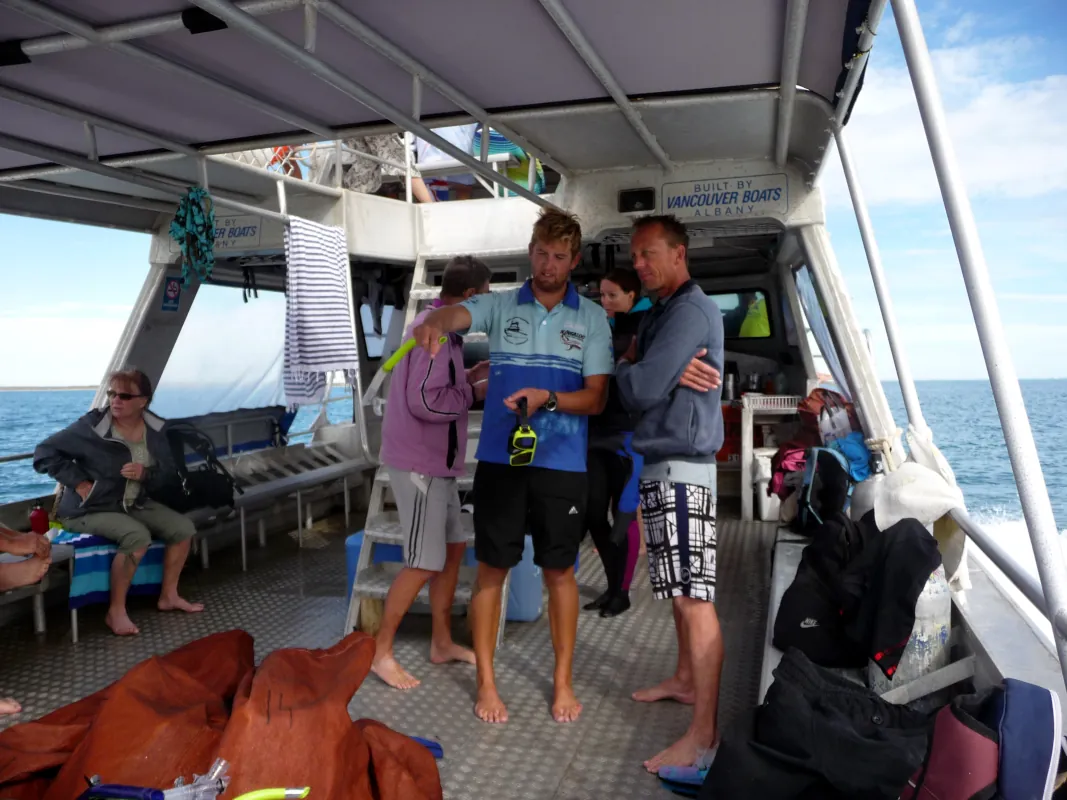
(372, 581)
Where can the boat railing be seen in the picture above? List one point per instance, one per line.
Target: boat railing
(1050, 593)
(318, 162)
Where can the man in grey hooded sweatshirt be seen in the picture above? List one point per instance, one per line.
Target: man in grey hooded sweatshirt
(679, 432)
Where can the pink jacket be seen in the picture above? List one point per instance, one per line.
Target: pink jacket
(425, 427)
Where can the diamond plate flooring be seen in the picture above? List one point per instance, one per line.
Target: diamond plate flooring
(296, 598)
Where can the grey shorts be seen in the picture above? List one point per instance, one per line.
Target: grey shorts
(135, 530)
(430, 517)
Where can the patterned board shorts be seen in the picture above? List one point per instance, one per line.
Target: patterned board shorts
(680, 538)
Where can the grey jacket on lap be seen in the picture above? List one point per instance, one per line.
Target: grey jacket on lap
(87, 451)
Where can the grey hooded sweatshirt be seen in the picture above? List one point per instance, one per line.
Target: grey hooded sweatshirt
(87, 450)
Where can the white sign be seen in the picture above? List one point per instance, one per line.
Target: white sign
(237, 233)
(722, 198)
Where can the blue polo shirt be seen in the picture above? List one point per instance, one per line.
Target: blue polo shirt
(532, 347)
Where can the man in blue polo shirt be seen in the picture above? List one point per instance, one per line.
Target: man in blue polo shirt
(551, 347)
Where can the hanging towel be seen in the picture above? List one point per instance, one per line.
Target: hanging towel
(318, 323)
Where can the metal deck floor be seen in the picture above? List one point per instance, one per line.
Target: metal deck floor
(292, 598)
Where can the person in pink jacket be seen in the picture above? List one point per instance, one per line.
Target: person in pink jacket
(424, 444)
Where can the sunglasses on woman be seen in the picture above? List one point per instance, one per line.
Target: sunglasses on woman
(112, 394)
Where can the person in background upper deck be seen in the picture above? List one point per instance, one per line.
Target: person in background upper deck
(679, 432)
(552, 348)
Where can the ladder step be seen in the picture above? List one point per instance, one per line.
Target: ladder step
(466, 482)
(374, 582)
(384, 528)
(424, 292)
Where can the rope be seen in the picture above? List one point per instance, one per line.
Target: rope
(193, 229)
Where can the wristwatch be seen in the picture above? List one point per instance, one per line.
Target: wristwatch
(550, 403)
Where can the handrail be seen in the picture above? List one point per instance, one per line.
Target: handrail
(17, 457)
(1020, 578)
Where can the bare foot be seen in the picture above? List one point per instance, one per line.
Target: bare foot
(121, 624)
(8, 705)
(23, 573)
(177, 603)
(686, 752)
(451, 652)
(670, 689)
(489, 707)
(387, 668)
(565, 706)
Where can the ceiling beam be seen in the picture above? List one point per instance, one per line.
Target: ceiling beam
(140, 29)
(796, 22)
(357, 28)
(565, 22)
(233, 16)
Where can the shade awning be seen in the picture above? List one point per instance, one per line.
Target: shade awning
(587, 84)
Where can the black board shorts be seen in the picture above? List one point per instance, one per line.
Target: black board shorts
(510, 502)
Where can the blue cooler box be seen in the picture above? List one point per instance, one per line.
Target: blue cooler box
(525, 598)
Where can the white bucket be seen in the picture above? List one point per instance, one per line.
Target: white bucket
(928, 647)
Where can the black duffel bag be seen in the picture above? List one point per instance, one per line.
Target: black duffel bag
(209, 485)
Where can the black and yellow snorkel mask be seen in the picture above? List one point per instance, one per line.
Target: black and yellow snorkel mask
(523, 442)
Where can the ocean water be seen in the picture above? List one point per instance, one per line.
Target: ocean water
(961, 413)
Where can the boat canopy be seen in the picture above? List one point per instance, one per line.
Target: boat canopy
(151, 86)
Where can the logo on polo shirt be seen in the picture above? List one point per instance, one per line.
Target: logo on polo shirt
(517, 331)
(572, 339)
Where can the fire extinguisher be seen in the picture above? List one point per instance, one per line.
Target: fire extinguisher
(39, 519)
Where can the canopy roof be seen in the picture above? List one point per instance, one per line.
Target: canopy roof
(586, 84)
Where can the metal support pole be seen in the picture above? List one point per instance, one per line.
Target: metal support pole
(1022, 451)
(205, 184)
(299, 520)
(348, 503)
(855, 68)
(283, 207)
(881, 288)
(44, 187)
(409, 141)
(233, 16)
(72, 25)
(796, 20)
(92, 118)
(311, 24)
(261, 529)
(275, 175)
(47, 153)
(91, 147)
(244, 543)
(338, 160)
(141, 28)
(565, 22)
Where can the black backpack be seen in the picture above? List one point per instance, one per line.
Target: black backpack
(209, 485)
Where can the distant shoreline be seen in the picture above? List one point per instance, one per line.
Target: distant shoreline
(47, 388)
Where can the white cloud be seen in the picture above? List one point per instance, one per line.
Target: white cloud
(1008, 135)
(69, 310)
(56, 351)
(951, 351)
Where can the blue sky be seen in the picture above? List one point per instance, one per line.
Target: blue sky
(1002, 70)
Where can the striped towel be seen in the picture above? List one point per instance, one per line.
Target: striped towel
(318, 322)
(93, 555)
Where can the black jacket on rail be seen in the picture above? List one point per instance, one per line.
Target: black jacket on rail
(854, 594)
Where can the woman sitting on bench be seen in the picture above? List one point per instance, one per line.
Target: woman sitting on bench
(108, 462)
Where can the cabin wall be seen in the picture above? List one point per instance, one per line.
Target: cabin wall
(738, 194)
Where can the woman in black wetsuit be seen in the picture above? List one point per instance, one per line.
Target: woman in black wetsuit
(612, 466)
